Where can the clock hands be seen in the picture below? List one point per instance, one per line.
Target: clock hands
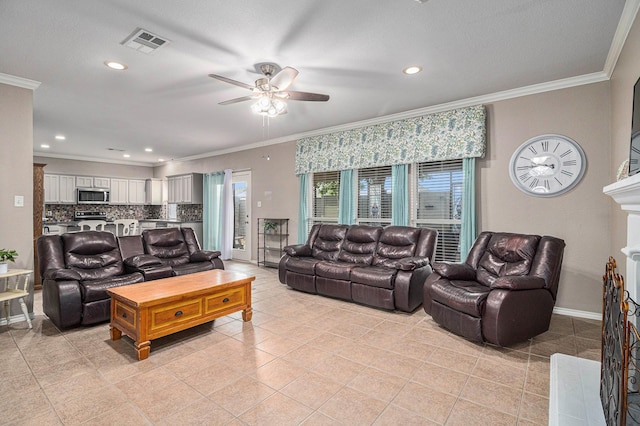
(551, 166)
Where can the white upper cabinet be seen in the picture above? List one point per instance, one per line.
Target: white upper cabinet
(84, 182)
(137, 191)
(185, 189)
(119, 191)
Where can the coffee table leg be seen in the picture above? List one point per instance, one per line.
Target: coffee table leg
(115, 333)
(247, 314)
(143, 349)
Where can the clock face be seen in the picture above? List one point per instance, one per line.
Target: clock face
(547, 165)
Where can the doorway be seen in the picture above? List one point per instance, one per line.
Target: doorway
(241, 183)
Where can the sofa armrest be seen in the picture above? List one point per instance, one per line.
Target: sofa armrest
(298, 250)
(411, 263)
(142, 261)
(455, 271)
(62, 275)
(522, 282)
(203, 256)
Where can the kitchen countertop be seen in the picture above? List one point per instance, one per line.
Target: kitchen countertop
(110, 222)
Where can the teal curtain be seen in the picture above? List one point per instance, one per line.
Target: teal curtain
(303, 210)
(213, 185)
(469, 230)
(400, 194)
(346, 212)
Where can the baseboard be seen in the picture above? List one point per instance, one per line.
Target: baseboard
(577, 313)
(15, 318)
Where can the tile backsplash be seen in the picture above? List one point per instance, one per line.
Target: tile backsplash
(66, 212)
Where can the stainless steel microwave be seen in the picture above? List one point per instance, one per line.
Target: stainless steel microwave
(93, 196)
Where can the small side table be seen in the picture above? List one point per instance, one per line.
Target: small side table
(19, 290)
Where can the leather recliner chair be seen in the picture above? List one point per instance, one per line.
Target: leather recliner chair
(76, 270)
(503, 293)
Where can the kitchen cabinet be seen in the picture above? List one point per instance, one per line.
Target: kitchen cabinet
(136, 191)
(119, 191)
(153, 192)
(100, 182)
(185, 189)
(59, 189)
(84, 182)
(51, 188)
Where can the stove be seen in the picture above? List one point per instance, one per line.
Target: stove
(86, 215)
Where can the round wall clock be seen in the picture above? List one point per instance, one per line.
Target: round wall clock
(547, 165)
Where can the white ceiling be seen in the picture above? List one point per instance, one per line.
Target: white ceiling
(352, 50)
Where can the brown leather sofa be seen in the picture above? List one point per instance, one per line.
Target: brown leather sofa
(381, 267)
(503, 293)
(77, 268)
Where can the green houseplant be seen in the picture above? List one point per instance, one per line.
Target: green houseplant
(6, 255)
(270, 227)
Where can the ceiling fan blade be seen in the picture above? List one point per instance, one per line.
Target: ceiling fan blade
(236, 100)
(284, 78)
(234, 82)
(306, 96)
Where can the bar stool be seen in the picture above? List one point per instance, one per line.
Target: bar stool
(92, 225)
(129, 227)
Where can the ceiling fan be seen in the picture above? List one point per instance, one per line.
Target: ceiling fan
(271, 91)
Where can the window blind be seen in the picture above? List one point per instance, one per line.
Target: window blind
(374, 196)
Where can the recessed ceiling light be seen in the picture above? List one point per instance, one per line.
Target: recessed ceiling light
(160, 159)
(414, 69)
(60, 137)
(126, 155)
(115, 65)
(44, 145)
(148, 149)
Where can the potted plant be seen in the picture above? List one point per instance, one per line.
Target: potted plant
(270, 227)
(6, 255)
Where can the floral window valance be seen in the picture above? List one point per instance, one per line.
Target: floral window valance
(458, 133)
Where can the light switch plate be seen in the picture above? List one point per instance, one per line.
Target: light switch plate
(18, 201)
(259, 203)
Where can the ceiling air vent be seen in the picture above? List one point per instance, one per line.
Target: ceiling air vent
(144, 41)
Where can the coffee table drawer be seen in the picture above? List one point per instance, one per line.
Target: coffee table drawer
(175, 313)
(225, 300)
(124, 314)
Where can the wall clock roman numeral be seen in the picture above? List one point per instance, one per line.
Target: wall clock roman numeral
(570, 163)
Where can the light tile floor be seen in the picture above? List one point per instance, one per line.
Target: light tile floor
(303, 359)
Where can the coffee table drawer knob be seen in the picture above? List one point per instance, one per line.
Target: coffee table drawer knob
(124, 315)
(178, 313)
(225, 300)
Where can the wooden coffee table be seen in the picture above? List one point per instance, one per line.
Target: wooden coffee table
(157, 308)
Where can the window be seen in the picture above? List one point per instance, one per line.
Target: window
(325, 192)
(438, 204)
(374, 196)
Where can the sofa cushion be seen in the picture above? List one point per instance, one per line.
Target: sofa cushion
(94, 255)
(167, 244)
(395, 243)
(92, 290)
(328, 241)
(190, 268)
(142, 260)
(462, 296)
(335, 269)
(360, 244)
(303, 265)
(506, 255)
(376, 276)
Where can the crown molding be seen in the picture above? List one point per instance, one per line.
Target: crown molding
(25, 83)
(564, 83)
(94, 159)
(627, 19)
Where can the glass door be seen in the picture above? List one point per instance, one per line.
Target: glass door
(241, 183)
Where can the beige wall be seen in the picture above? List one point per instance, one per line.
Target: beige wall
(622, 81)
(93, 168)
(581, 216)
(16, 175)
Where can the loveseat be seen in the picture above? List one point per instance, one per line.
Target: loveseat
(381, 267)
(76, 269)
(505, 291)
